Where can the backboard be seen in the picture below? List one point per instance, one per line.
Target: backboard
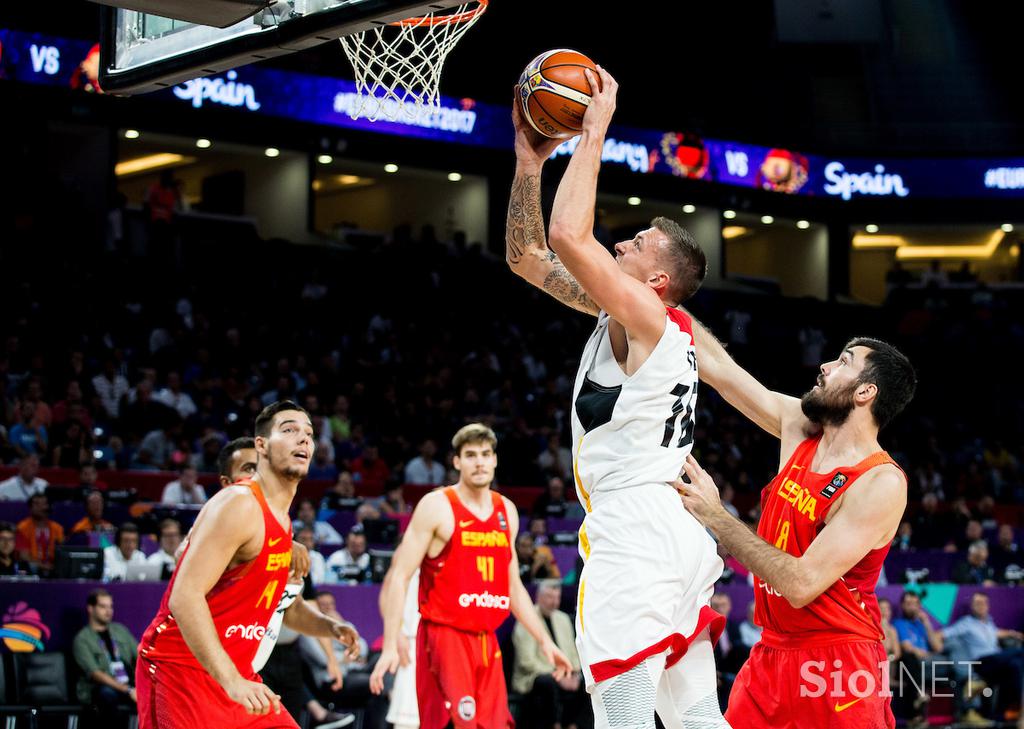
(141, 52)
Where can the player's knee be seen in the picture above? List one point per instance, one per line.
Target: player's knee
(705, 714)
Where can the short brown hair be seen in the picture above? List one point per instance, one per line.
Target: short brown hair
(94, 596)
(473, 433)
(265, 420)
(685, 259)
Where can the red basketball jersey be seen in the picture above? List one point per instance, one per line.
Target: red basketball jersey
(793, 510)
(241, 603)
(466, 585)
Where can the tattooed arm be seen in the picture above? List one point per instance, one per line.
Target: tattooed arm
(526, 247)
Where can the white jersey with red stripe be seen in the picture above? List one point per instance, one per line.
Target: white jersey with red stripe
(649, 566)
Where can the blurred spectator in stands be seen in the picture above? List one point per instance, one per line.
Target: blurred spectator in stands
(931, 529)
(110, 386)
(161, 442)
(935, 275)
(28, 437)
(341, 425)
(978, 636)
(351, 564)
(985, 512)
(554, 504)
(89, 478)
(917, 637)
(38, 536)
(317, 564)
(305, 516)
(25, 482)
(72, 407)
(904, 539)
(207, 459)
(555, 460)
(548, 702)
(322, 467)
(750, 632)
(342, 495)
(175, 398)
(170, 539)
(237, 460)
(812, 346)
(535, 563)
(355, 689)
(968, 535)
(539, 529)
(366, 512)
(728, 494)
(123, 552)
(929, 480)
(890, 639)
(162, 204)
(976, 569)
(898, 276)
(424, 470)
(392, 503)
(185, 489)
(93, 520)
(72, 445)
(1006, 553)
(963, 274)
(41, 414)
(370, 471)
(10, 564)
(730, 653)
(105, 652)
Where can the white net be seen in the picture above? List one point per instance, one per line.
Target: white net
(398, 66)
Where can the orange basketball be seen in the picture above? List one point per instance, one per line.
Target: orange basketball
(554, 92)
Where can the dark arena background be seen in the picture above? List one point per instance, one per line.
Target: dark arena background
(174, 261)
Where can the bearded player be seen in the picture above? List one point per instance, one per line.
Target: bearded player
(195, 659)
(461, 539)
(827, 520)
(644, 626)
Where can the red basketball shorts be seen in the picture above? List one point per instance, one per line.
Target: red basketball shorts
(180, 697)
(459, 679)
(828, 687)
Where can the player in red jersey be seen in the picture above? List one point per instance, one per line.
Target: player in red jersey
(195, 658)
(827, 520)
(461, 539)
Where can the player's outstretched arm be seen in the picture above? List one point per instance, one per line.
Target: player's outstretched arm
(305, 618)
(223, 528)
(866, 519)
(633, 304)
(526, 246)
(426, 519)
(522, 606)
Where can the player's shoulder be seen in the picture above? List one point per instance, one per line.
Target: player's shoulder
(237, 499)
(434, 504)
(509, 504)
(886, 476)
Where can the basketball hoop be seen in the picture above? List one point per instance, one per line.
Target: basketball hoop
(398, 66)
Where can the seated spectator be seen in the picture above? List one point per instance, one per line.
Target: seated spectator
(976, 569)
(354, 689)
(367, 512)
(89, 478)
(549, 702)
(370, 471)
(539, 530)
(972, 533)
(424, 470)
(105, 653)
(979, 637)
(555, 461)
(237, 457)
(170, 540)
(207, 459)
(985, 512)
(185, 489)
(38, 536)
(392, 503)
(535, 563)
(931, 529)
(175, 398)
(317, 563)
(93, 520)
(1006, 553)
(553, 502)
(72, 445)
(323, 466)
(350, 565)
(730, 652)
(124, 551)
(29, 437)
(904, 539)
(341, 496)
(10, 564)
(921, 647)
(110, 386)
(72, 407)
(25, 483)
(891, 639)
(750, 632)
(305, 516)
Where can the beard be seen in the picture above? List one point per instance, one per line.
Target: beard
(828, 408)
(280, 465)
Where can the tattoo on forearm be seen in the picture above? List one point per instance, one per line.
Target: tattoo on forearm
(561, 285)
(524, 227)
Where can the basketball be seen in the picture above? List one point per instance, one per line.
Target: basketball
(555, 92)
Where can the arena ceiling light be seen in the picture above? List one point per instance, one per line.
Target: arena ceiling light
(734, 231)
(150, 162)
(803, 224)
(728, 214)
(203, 143)
(131, 134)
(390, 168)
(272, 152)
(689, 209)
(879, 241)
(1006, 227)
(325, 159)
(633, 200)
(871, 228)
(454, 177)
(767, 219)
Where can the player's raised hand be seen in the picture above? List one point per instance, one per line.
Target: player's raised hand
(554, 656)
(603, 90)
(254, 697)
(387, 663)
(700, 495)
(531, 148)
(300, 561)
(347, 636)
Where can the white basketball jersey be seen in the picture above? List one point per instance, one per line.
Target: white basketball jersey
(637, 430)
(273, 630)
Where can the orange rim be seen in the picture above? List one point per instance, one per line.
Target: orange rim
(445, 19)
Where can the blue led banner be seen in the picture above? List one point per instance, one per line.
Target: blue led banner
(38, 59)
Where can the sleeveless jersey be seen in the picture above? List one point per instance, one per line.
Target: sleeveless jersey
(636, 430)
(241, 603)
(793, 510)
(466, 585)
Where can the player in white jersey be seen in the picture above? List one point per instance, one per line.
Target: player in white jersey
(644, 626)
